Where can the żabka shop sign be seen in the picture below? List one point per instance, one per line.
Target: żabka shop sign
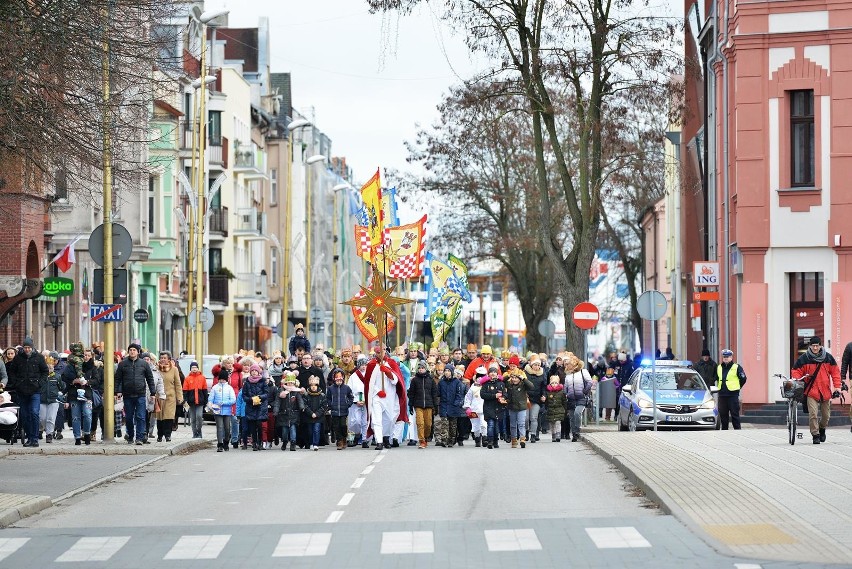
(705, 273)
(58, 286)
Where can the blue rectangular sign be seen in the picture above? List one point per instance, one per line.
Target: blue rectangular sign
(106, 313)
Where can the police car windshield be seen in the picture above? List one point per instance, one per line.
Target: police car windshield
(674, 380)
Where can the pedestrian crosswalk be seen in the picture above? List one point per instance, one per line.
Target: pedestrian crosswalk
(212, 546)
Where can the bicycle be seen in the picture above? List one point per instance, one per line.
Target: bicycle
(793, 390)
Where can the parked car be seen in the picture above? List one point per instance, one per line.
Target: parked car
(683, 399)
(206, 368)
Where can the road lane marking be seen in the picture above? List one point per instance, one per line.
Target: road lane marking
(379, 458)
(368, 470)
(94, 549)
(617, 538)
(512, 540)
(334, 517)
(198, 547)
(747, 566)
(9, 545)
(302, 545)
(346, 499)
(358, 482)
(402, 542)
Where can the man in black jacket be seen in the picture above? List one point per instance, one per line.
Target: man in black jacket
(26, 372)
(131, 376)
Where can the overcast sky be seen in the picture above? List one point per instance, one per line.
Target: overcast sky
(367, 80)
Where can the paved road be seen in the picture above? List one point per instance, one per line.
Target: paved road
(547, 505)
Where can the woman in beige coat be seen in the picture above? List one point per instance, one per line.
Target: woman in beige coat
(174, 397)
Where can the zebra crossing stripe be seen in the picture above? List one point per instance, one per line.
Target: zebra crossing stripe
(512, 540)
(9, 545)
(302, 545)
(94, 549)
(401, 542)
(198, 547)
(617, 537)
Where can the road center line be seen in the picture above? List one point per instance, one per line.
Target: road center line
(334, 517)
(346, 499)
(368, 470)
(379, 458)
(358, 482)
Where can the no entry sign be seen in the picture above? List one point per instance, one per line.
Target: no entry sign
(586, 315)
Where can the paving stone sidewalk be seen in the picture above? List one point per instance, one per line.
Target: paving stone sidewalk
(749, 492)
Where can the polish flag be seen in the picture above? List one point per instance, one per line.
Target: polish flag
(65, 258)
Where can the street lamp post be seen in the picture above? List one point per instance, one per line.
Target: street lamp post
(201, 184)
(288, 233)
(317, 158)
(56, 321)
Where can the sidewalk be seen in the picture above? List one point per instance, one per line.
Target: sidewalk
(749, 493)
(29, 488)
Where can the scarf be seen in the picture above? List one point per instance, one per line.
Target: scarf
(819, 358)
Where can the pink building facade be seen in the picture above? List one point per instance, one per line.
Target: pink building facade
(772, 90)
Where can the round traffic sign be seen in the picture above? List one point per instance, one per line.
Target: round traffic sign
(141, 315)
(122, 245)
(651, 305)
(586, 315)
(207, 318)
(547, 328)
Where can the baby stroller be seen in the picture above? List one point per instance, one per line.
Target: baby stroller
(8, 419)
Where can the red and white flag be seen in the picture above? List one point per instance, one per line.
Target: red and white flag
(65, 258)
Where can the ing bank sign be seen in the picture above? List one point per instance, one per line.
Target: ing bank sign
(705, 273)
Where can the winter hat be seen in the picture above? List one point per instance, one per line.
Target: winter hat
(193, 364)
(481, 371)
(705, 352)
(77, 349)
(313, 380)
(362, 360)
(256, 368)
(136, 346)
(534, 359)
(300, 326)
(486, 349)
(493, 367)
(459, 371)
(514, 360)
(223, 374)
(290, 377)
(422, 364)
(815, 340)
(28, 342)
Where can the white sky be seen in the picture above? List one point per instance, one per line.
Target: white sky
(368, 80)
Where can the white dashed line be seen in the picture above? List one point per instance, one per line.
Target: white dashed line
(379, 458)
(368, 470)
(358, 482)
(512, 540)
(334, 517)
(346, 499)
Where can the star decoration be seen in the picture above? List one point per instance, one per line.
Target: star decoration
(379, 302)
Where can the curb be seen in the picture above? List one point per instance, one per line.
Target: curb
(37, 504)
(110, 449)
(661, 497)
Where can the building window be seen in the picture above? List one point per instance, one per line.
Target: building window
(214, 128)
(151, 203)
(61, 180)
(802, 138)
(273, 186)
(273, 266)
(215, 261)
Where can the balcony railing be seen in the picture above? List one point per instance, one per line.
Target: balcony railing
(251, 287)
(219, 221)
(219, 289)
(249, 157)
(250, 222)
(217, 152)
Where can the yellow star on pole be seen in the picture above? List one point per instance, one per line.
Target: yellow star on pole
(379, 302)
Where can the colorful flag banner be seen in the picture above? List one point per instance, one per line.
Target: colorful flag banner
(442, 284)
(371, 195)
(443, 318)
(66, 257)
(400, 255)
(460, 271)
(389, 207)
(362, 240)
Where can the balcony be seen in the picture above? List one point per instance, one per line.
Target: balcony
(218, 222)
(250, 224)
(250, 160)
(217, 154)
(251, 288)
(218, 289)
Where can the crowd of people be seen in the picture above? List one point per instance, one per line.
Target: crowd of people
(310, 398)
(305, 399)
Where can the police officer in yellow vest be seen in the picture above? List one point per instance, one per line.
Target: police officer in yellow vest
(730, 377)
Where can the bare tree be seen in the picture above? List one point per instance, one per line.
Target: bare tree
(598, 48)
(479, 162)
(55, 58)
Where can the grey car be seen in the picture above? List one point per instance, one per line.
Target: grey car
(683, 399)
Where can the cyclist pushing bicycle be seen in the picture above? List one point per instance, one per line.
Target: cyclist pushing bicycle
(821, 386)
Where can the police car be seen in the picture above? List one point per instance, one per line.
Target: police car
(683, 399)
